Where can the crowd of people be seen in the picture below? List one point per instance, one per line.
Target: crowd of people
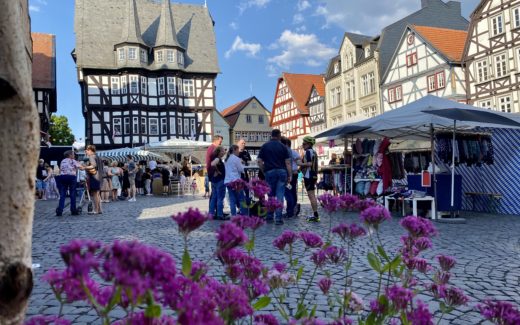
(279, 166)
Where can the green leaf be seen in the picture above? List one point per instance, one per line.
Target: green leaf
(295, 262)
(153, 311)
(313, 311)
(186, 263)
(116, 298)
(301, 311)
(299, 274)
(250, 245)
(386, 267)
(262, 302)
(374, 262)
(382, 252)
(371, 319)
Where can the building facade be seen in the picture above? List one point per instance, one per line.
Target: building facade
(249, 120)
(290, 112)
(146, 70)
(221, 127)
(44, 80)
(316, 104)
(492, 56)
(427, 61)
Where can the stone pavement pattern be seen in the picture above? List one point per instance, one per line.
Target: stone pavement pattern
(487, 249)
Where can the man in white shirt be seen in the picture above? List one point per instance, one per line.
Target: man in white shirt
(234, 170)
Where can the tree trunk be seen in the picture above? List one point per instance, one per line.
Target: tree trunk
(19, 149)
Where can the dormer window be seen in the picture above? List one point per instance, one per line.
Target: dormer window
(336, 67)
(143, 56)
(170, 56)
(121, 54)
(132, 53)
(160, 56)
(367, 52)
(180, 58)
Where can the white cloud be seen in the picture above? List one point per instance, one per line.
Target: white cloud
(301, 48)
(370, 17)
(298, 19)
(43, 2)
(303, 4)
(240, 46)
(272, 71)
(233, 25)
(34, 8)
(245, 4)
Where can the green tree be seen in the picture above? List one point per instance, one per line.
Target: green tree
(61, 133)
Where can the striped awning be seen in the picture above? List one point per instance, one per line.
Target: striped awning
(136, 153)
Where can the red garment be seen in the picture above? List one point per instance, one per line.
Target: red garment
(209, 153)
(385, 170)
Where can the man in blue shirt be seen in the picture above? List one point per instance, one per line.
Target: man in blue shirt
(275, 162)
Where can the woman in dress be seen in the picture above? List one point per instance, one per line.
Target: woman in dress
(106, 185)
(115, 172)
(51, 190)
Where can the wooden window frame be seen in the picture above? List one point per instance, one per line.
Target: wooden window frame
(156, 124)
(411, 59)
(393, 91)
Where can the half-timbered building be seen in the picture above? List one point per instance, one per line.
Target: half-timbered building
(316, 104)
(290, 112)
(44, 79)
(249, 120)
(146, 70)
(492, 56)
(427, 61)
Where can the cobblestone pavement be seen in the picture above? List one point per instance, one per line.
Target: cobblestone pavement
(487, 249)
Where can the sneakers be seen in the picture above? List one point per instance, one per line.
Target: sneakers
(132, 199)
(313, 219)
(297, 210)
(58, 213)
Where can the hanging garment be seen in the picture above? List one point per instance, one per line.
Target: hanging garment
(385, 171)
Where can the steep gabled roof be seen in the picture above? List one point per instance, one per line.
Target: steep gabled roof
(435, 13)
(131, 32)
(166, 33)
(44, 61)
(232, 113)
(449, 42)
(329, 74)
(358, 39)
(300, 86)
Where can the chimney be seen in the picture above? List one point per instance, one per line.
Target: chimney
(455, 6)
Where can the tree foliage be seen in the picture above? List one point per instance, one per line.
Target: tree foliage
(61, 133)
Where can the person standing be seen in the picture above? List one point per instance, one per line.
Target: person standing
(41, 174)
(245, 157)
(95, 175)
(206, 186)
(106, 183)
(309, 165)
(275, 163)
(132, 171)
(114, 173)
(234, 170)
(51, 188)
(67, 181)
(291, 192)
(217, 141)
(217, 174)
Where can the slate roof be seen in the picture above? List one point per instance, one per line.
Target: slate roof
(449, 42)
(435, 13)
(131, 32)
(358, 40)
(300, 86)
(44, 61)
(166, 35)
(98, 27)
(330, 69)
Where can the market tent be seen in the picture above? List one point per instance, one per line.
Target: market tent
(177, 146)
(411, 123)
(341, 131)
(137, 154)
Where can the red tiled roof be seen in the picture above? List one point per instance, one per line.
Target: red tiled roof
(231, 119)
(236, 107)
(320, 88)
(300, 86)
(448, 41)
(44, 61)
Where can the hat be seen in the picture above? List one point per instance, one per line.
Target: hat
(310, 140)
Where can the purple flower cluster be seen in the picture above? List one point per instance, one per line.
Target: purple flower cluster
(265, 319)
(229, 235)
(140, 318)
(286, 238)
(325, 284)
(418, 227)
(420, 315)
(454, 297)
(399, 296)
(349, 201)
(248, 222)
(351, 232)
(272, 204)
(446, 262)
(279, 279)
(190, 220)
(259, 187)
(311, 240)
(375, 215)
(500, 312)
(342, 321)
(237, 185)
(362, 205)
(330, 203)
(330, 254)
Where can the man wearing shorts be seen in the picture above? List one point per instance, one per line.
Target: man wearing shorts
(132, 171)
(309, 166)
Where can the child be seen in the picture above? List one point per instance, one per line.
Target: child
(182, 181)
(193, 186)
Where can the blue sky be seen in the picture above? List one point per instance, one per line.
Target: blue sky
(256, 41)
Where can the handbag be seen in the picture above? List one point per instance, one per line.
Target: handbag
(92, 172)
